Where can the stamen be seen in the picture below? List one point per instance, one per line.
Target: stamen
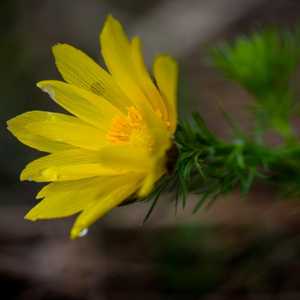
(123, 127)
(130, 129)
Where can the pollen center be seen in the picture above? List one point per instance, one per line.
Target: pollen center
(130, 128)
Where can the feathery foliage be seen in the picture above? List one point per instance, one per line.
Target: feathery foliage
(263, 64)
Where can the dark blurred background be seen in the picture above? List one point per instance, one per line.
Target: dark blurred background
(235, 250)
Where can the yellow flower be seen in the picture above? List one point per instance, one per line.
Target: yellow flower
(115, 143)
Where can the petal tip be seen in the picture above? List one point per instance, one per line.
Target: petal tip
(9, 125)
(59, 48)
(58, 45)
(165, 59)
(110, 24)
(31, 216)
(110, 18)
(76, 232)
(107, 23)
(46, 87)
(24, 176)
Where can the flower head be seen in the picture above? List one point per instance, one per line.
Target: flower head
(115, 143)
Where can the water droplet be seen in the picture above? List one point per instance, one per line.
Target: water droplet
(83, 232)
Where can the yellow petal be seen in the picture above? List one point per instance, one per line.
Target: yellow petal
(118, 55)
(116, 52)
(18, 127)
(87, 106)
(59, 128)
(105, 204)
(80, 70)
(68, 165)
(127, 157)
(145, 80)
(166, 75)
(147, 186)
(62, 199)
(159, 169)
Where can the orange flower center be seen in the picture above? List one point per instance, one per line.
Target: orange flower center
(130, 128)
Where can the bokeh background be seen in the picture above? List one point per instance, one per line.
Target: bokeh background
(235, 250)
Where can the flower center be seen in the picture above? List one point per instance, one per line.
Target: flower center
(130, 128)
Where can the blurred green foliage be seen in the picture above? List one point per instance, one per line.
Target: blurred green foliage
(263, 64)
